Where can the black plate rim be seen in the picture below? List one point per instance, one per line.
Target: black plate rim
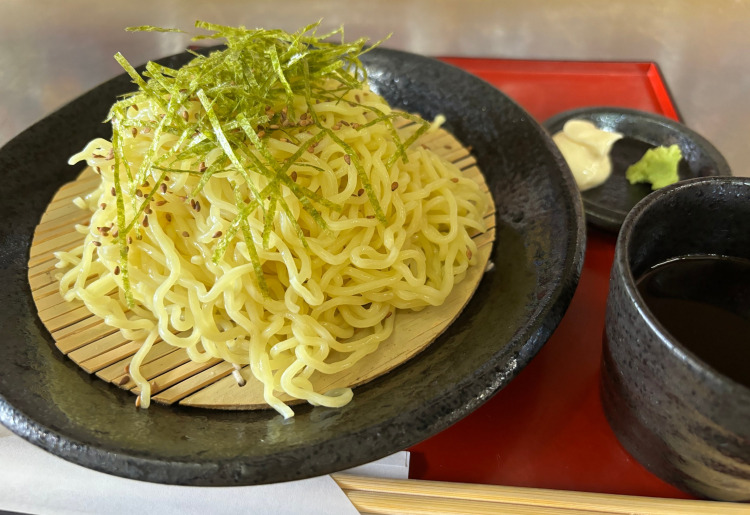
(231, 472)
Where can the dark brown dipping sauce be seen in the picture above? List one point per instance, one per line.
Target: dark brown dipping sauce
(704, 303)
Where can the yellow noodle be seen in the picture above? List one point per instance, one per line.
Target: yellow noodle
(334, 294)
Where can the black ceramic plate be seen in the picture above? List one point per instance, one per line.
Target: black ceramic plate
(50, 401)
(607, 205)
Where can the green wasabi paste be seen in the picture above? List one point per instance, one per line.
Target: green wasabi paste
(658, 166)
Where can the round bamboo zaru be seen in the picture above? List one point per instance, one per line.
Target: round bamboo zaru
(100, 349)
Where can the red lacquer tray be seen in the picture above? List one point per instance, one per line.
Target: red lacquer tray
(546, 429)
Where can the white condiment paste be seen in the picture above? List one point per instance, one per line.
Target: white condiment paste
(586, 149)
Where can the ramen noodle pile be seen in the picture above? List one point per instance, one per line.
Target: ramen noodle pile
(260, 205)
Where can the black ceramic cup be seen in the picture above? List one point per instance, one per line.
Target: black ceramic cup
(682, 419)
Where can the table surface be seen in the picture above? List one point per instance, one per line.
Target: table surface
(52, 52)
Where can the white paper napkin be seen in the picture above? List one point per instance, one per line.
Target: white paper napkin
(34, 481)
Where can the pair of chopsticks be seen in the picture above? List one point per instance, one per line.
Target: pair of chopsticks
(411, 496)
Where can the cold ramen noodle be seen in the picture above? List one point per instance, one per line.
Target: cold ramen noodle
(260, 205)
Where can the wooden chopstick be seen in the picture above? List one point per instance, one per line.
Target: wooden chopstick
(411, 496)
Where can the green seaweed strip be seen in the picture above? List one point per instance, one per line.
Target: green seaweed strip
(203, 72)
(409, 142)
(161, 69)
(171, 152)
(280, 73)
(402, 145)
(317, 168)
(254, 259)
(268, 221)
(162, 80)
(298, 229)
(221, 246)
(305, 193)
(131, 71)
(366, 184)
(126, 164)
(273, 190)
(280, 174)
(255, 139)
(224, 143)
(331, 68)
(382, 117)
(347, 79)
(195, 150)
(137, 79)
(245, 210)
(150, 153)
(146, 201)
(175, 170)
(151, 28)
(121, 234)
(388, 120)
(200, 24)
(207, 174)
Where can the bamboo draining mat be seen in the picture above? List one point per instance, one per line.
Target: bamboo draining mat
(100, 349)
(416, 497)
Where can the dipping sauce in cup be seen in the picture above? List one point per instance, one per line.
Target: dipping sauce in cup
(674, 386)
(703, 301)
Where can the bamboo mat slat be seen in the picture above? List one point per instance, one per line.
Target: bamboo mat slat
(50, 300)
(119, 355)
(43, 284)
(194, 383)
(59, 317)
(98, 347)
(57, 226)
(153, 369)
(77, 188)
(178, 374)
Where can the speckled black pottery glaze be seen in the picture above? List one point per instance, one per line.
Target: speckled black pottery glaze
(684, 421)
(607, 205)
(48, 400)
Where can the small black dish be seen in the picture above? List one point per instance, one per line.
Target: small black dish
(607, 205)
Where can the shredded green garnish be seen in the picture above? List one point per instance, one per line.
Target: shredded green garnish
(149, 28)
(121, 240)
(244, 91)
